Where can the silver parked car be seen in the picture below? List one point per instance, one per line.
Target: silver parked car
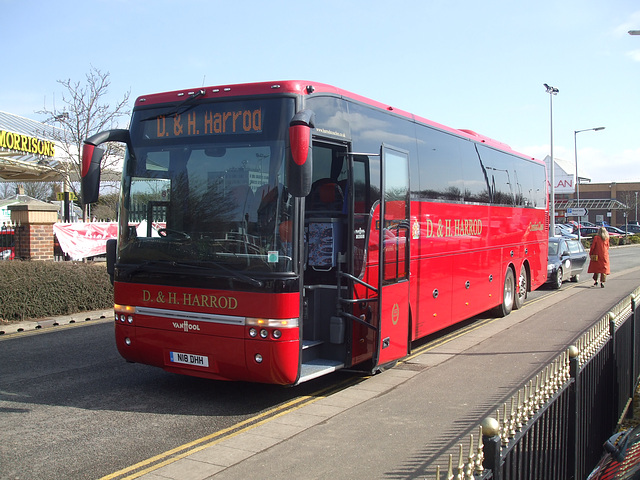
(567, 258)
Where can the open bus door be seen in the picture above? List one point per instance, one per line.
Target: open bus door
(393, 228)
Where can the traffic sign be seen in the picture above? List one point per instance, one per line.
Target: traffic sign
(576, 212)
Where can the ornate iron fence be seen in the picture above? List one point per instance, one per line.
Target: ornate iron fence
(555, 425)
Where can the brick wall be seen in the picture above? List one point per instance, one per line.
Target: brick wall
(34, 233)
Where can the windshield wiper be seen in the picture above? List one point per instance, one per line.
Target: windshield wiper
(184, 105)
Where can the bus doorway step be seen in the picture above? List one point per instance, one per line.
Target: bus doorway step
(311, 350)
(318, 367)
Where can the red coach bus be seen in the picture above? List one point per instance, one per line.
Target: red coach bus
(276, 232)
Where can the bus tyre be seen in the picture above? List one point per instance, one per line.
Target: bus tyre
(508, 294)
(523, 286)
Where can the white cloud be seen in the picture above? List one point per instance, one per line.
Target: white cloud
(634, 55)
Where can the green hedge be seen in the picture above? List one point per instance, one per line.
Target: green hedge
(613, 241)
(30, 290)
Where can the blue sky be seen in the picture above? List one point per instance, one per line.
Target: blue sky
(470, 64)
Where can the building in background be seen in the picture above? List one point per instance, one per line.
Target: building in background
(28, 152)
(611, 203)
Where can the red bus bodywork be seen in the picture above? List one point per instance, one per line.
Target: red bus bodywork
(229, 348)
(444, 261)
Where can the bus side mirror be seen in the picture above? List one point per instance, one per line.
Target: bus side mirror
(91, 158)
(112, 246)
(299, 157)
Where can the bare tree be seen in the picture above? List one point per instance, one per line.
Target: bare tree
(7, 189)
(38, 190)
(630, 200)
(105, 209)
(85, 112)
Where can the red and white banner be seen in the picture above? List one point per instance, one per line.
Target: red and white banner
(81, 240)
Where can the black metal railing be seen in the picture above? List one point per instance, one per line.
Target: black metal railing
(555, 426)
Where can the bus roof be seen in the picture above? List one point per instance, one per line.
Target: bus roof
(305, 87)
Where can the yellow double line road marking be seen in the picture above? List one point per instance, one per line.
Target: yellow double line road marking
(190, 448)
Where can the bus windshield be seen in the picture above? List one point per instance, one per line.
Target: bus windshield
(204, 186)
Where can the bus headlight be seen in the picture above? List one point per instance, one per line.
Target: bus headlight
(124, 313)
(263, 327)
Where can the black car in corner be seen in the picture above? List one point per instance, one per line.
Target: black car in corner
(566, 261)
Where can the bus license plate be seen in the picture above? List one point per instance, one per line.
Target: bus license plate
(189, 359)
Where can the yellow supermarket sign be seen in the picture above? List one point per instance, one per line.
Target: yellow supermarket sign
(26, 144)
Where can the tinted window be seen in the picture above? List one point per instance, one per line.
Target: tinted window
(500, 174)
(532, 178)
(331, 117)
(475, 182)
(442, 166)
(370, 128)
(441, 173)
(512, 179)
(451, 168)
(562, 246)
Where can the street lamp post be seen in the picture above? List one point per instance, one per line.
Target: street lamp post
(552, 213)
(575, 147)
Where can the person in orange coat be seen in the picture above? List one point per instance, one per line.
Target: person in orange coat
(599, 254)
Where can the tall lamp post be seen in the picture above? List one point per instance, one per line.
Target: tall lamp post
(575, 147)
(552, 221)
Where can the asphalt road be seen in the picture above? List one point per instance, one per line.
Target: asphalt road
(71, 408)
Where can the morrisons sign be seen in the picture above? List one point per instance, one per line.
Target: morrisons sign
(26, 144)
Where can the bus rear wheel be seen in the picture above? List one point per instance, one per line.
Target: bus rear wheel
(508, 294)
(523, 287)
